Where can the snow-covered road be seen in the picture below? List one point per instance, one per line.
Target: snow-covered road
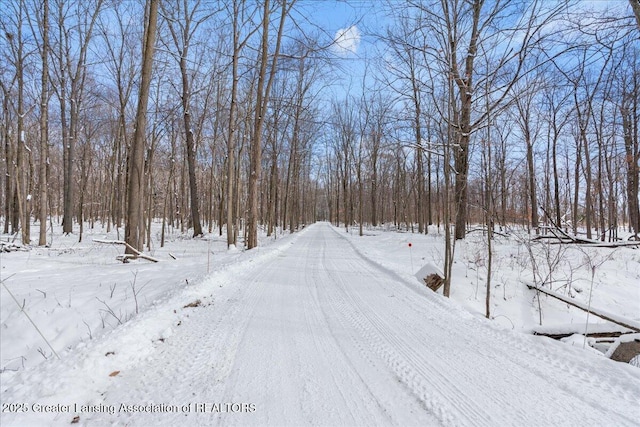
(317, 334)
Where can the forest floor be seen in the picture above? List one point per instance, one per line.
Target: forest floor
(319, 327)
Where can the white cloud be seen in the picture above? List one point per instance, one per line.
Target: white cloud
(346, 40)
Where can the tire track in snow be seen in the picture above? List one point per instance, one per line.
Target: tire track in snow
(368, 402)
(415, 369)
(316, 380)
(421, 377)
(517, 348)
(322, 335)
(395, 353)
(204, 347)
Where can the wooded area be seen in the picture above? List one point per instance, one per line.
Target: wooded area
(472, 112)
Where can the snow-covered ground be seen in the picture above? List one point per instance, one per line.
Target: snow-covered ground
(615, 287)
(321, 327)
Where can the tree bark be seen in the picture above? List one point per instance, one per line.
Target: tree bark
(464, 84)
(8, 156)
(262, 99)
(635, 5)
(134, 226)
(628, 111)
(191, 151)
(44, 127)
(21, 168)
(231, 138)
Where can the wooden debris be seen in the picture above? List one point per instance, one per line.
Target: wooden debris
(12, 247)
(434, 282)
(194, 304)
(126, 257)
(555, 239)
(626, 351)
(562, 237)
(558, 336)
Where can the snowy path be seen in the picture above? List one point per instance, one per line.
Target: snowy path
(319, 335)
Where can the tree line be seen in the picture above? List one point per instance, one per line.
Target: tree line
(521, 113)
(89, 133)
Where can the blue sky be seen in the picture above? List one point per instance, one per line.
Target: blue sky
(349, 25)
(356, 20)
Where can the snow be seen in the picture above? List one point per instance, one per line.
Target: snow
(319, 327)
(427, 270)
(568, 269)
(587, 308)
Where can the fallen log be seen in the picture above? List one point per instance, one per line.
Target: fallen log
(627, 323)
(590, 334)
(124, 258)
(555, 240)
(565, 238)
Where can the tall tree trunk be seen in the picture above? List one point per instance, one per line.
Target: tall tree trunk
(134, 226)
(44, 127)
(191, 151)
(231, 139)
(628, 111)
(556, 180)
(464, 84)
(374, 184)
(418, 150)
(449, 247)
(182, 29)
(262, 99)
(255, 153)
(21, 168)
(576, 184)
(533, 198)
(76, 77)
(8, 156)
(588, 183)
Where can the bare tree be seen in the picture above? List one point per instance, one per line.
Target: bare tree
(630, 114)
(118, 33)
(240, 18)
(18, 57)
(408, 78)
(75, 31)
(555, 100)
(183, 20)
(9, 188)
(455, 34)
(263, 90)
(44, 125)
(529, 125)
(40, 30)
(135, 225)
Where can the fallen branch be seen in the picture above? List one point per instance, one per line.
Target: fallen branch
(556, 240)
(565, 238)
(630, 324)
(124, 258)
(566, 334)
(29, 317)
(12, 247)
(611, 335)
